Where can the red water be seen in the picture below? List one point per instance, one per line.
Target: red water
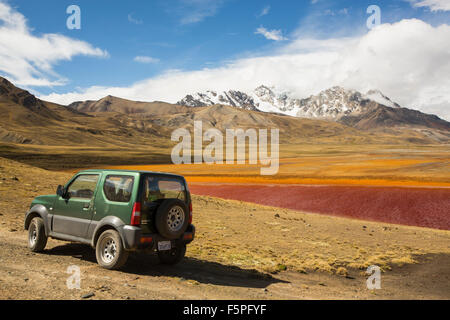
(423, 207)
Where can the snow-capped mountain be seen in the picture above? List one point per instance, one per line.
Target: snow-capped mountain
(270, 99)
(263, 98)
(338, 102)
(333, 103)
(232, 98)
(377, 96)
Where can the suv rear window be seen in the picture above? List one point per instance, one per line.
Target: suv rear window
(118, 188)
(157, 188)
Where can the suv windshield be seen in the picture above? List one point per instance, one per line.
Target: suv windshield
(160, 187)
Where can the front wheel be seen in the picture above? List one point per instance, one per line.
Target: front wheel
(173, 256)
(37, 240)
(109, 250)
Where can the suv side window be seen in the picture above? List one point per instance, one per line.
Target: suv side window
(83, 186)
(118, 188)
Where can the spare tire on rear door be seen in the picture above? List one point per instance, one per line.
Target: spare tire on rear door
(172, 218)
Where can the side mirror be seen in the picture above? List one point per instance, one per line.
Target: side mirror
(61, 191)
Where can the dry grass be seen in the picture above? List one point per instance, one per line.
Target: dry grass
(251, 236)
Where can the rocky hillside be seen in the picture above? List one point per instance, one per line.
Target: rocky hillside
(387, 117)
(12, 95)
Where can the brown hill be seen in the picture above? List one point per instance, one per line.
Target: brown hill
(16, 102)
(9, 92)
(114, 104)
(29, 120)
(382, 116)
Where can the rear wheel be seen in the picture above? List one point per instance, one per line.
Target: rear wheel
(172, 256)
(37, 240)
(109, 250)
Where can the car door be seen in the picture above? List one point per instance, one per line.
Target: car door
(73, 213)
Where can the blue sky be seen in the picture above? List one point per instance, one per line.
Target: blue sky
(220, 30)
(186, 36)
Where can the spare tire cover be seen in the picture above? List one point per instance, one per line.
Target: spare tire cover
(172, 218)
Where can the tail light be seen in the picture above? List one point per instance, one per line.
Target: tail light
(190, 212)
(136, 214)
(188, 236)
(146, 240)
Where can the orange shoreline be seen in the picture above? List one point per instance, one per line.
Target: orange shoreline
(338, 171)
(318, 181)
(231, 178)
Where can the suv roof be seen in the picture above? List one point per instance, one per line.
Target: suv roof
(130, 171)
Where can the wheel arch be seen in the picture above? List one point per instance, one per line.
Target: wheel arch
(108, 223)
(37, 211)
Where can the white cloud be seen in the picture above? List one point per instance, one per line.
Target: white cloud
(194, 11)
(264, 11)
(145, 59)
(275, 35)
(134, 20)
(409, 61)
(27, 59)
(434, 5)
(329, 12)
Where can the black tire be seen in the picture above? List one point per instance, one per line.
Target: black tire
(109, 250)
(172, 218)
(172, 257)
(37, 240)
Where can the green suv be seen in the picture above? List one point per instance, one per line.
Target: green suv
(116, 211)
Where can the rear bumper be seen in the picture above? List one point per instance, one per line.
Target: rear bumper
(131, 237)
(134, 239)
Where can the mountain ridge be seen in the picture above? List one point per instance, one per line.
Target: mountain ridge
(114, 121)
(328, 104)
(346, 106)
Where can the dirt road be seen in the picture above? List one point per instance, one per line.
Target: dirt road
(25, 275)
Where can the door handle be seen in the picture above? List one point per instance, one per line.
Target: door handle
(86, 206)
